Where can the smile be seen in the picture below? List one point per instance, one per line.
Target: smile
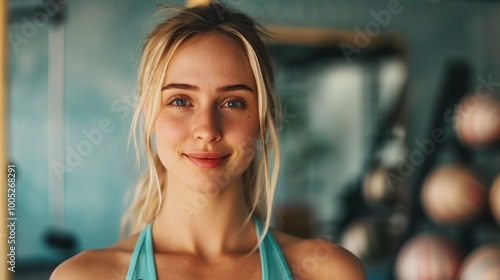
(207, 160)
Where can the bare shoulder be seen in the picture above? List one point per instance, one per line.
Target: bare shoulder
(319, 258)
(110, 263)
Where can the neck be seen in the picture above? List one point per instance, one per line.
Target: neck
(204, 225)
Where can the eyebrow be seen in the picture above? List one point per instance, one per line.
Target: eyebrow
(225, 88)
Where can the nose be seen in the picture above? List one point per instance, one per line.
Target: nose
(207, 126)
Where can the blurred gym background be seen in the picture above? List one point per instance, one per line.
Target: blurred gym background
(390, 137)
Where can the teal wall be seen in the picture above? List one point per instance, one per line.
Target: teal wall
(103, 40)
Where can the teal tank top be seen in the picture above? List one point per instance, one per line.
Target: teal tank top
(142, 264)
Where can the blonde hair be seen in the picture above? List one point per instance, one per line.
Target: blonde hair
(159, 48)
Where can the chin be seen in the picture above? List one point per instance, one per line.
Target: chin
(209, 184)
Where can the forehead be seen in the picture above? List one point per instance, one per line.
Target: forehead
(215, 57)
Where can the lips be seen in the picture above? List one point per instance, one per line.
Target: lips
(207, 160)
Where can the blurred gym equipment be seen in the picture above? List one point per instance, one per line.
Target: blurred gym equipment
(482, 264)
(454, 195)
(428, 256)
(367, 239)
(384, 186)
(295, 218)
(478, 119)
(495, 199)
(3, 135)
(57, 237)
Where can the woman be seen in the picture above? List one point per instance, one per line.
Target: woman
(202, 210)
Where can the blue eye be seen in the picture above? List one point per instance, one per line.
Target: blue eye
(235, 104)
(180, 102)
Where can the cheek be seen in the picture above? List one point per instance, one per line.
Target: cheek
(246, 129)
(168, 131)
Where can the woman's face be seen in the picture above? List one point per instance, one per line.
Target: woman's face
(208, 123)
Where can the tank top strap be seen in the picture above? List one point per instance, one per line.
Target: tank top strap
(274, 266)
(142, 264)
(273, 262)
